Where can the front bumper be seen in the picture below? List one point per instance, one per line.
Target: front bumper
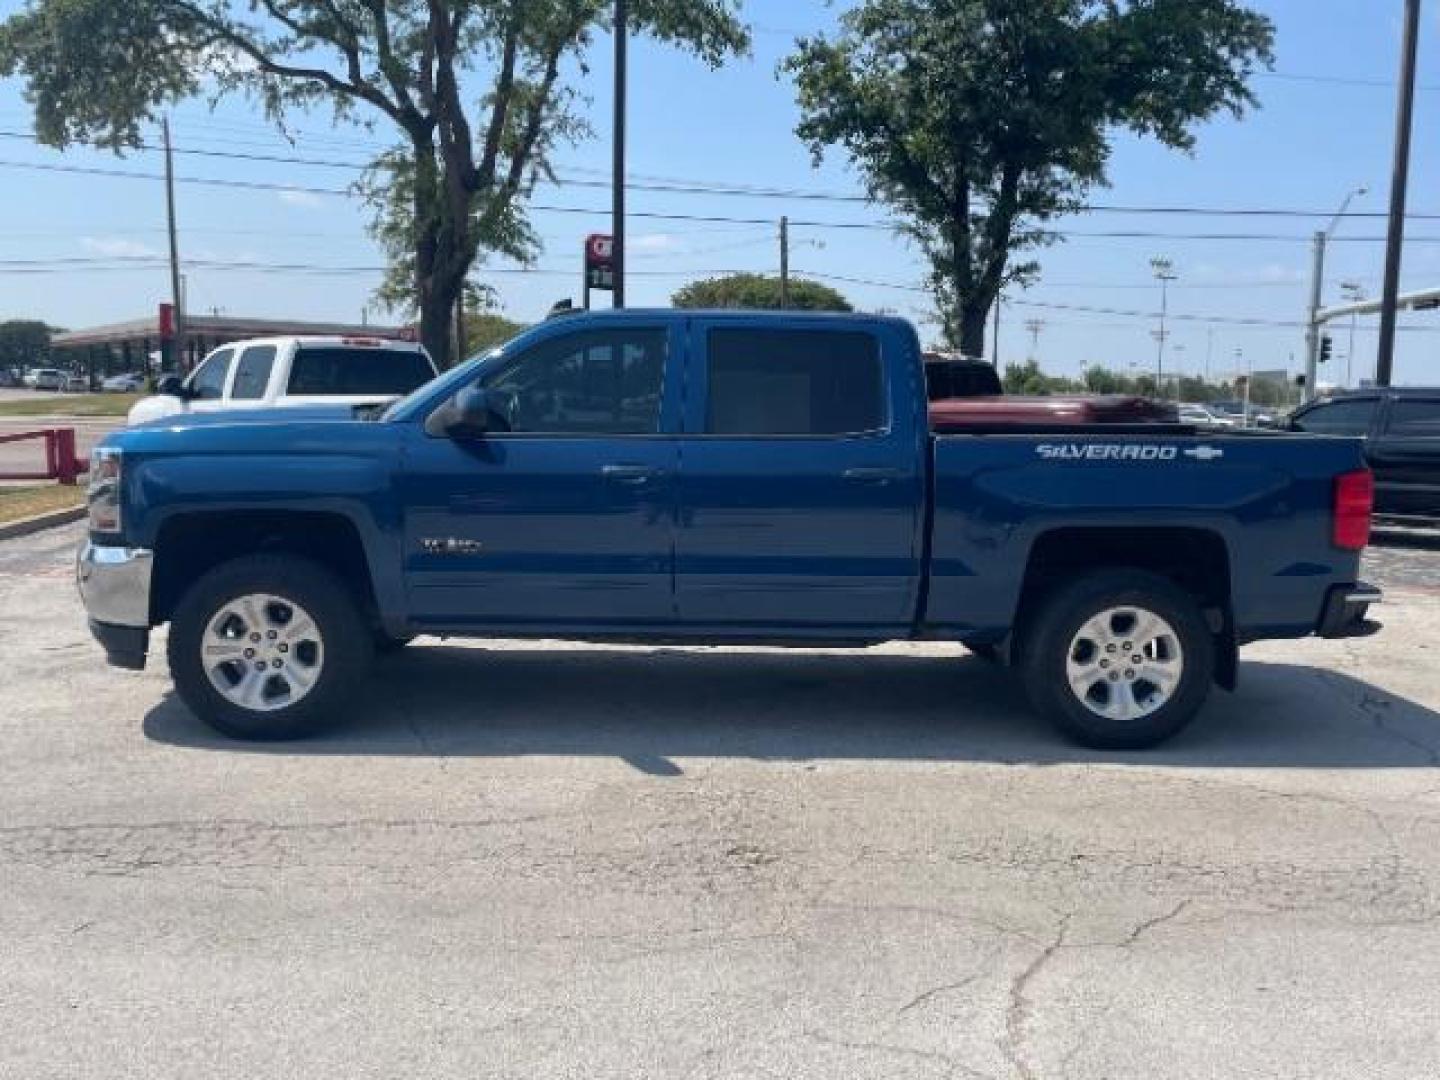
(114, 585)
(1345, 611)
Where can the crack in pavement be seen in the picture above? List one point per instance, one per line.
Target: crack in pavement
(1017, 1015)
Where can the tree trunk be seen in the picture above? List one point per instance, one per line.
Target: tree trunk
(973, 317)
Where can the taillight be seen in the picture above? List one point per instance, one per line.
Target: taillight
(1354, 502)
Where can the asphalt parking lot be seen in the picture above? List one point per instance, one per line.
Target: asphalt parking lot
(539, 861)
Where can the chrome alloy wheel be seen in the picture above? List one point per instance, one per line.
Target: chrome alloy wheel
(262, 652)
(1125, 663)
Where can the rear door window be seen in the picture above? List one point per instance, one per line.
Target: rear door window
(252, 374)
(208, 382)
(794, 382)
(1416, 418)
(1339, 418)
(355, 371)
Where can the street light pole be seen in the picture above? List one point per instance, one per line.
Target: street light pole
(1165, 273)
(617, 227)
(1317, 284)
(1404, 122)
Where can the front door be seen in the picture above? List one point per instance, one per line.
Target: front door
(802, 481)
(564, 518)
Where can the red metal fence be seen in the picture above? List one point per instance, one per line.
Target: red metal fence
(60, 460)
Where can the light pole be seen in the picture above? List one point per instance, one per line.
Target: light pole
(1164, 271)
(1354, 292)
(1317, 283)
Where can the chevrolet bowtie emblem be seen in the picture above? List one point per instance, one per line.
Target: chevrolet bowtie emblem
(1204, 453)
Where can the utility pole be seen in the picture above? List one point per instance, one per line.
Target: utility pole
(617, 228)
(1209, 349)
(995, 334)
(1354, 292)
(1034, 326)
(784, 263)
(1164, 273)
(1404, 123)
(177, 297)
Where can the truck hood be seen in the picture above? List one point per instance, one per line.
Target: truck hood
(306, 414)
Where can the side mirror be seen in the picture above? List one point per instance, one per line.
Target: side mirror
(470, 414)
(172, 386)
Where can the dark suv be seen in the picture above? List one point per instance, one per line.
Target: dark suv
(1401, 429)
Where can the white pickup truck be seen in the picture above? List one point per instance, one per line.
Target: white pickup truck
(267, 373)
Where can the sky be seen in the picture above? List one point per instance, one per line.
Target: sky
(1325, 127)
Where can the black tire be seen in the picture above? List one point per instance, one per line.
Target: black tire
(1057, 626)
(347, 646)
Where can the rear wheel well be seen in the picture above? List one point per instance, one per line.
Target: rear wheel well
(189, 545)
(1196, 560)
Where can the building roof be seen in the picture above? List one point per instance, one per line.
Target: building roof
(222, 327)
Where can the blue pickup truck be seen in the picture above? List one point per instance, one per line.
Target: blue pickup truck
(769, 478)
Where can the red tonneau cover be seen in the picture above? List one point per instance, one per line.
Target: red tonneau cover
(963, 414)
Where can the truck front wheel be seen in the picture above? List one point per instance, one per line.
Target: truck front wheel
(268, 647)
(1119, 660)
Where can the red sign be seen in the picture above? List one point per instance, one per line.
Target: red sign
(167, 320)
(600, 261)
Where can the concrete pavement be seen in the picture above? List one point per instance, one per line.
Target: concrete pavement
(546, 860)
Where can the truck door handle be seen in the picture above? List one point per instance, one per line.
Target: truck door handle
(631, 474)
(873, 475)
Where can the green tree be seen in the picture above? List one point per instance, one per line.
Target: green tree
(472, 90)
(759, 291)
(24, 343)
(978, 121)
(486, 329)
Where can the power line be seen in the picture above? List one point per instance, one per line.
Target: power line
(678, 186)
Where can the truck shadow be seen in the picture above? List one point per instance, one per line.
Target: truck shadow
(651, 707)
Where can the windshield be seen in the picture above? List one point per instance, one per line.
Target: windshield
(451, 381)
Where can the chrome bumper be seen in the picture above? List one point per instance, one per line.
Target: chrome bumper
(115, 584)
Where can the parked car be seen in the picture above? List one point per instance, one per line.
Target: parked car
(46, 379)
(127, 383)
(1200, 416)
(715, 477)
(1401, 429)
(288, 372)
(77, 384)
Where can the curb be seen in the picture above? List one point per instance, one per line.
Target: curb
(55, 518)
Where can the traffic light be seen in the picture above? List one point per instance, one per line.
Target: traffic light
(1325, 346)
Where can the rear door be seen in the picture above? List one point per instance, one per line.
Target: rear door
(563, 517)
(802, 478)
(1406, 457)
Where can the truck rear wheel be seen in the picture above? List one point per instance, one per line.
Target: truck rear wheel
(268, 647)
(1119, 660)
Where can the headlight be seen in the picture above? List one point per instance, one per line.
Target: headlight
(104, 494)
